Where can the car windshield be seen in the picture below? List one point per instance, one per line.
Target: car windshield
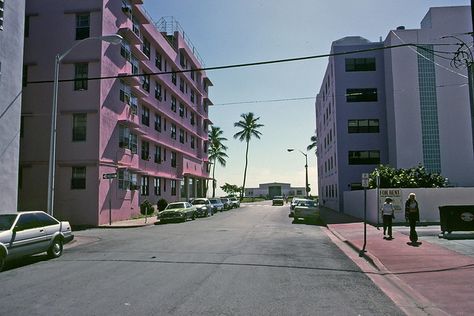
(199, 202)
(278, 197)
(214, 201)
(6, 221)
(175, 205)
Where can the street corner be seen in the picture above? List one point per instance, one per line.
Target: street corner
(81, 241)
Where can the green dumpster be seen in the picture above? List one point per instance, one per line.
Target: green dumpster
(456, 218)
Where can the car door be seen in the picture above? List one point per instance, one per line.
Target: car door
(29, 236)
(50, 225)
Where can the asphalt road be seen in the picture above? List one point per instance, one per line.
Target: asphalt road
(247, 261)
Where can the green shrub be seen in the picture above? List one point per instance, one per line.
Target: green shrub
(146, 208)
(162, 203)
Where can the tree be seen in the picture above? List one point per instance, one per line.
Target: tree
(231, 189)
(416, 177)
(249, 128)
(216, 152)
(314, 144)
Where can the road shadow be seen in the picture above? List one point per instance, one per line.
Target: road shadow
(25, 261)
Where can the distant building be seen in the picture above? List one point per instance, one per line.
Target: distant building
(148, 128)
(402, 107)
(12, 21)
(269, 190)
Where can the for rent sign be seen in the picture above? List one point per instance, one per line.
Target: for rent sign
(395, 195)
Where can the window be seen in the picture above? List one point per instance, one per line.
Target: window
(181, 84)
(181, 109)
(192, 120)
(158, 154)
(173, 187)
(173, 77)
(182, 60)
(125, 50)
(192, 74)
(126, 7)
(145, 82)
(205, 146)
(2, 5)
(361, 95)
(173, 159)
(133, 104)
(145, 116)
(25, 75)
(181, 136)
(146, 47)
(144, 186)
(136, 26)
(192, 96)
(82, 26)
(79, 127)
(125, 92)
(368, 157)
(158, 60)
(173, 104)
(27, 21)
(128, 140)
(157, 185)
(145, 150)
(157, 90)
(134, 63)
(158, 122)
(192, 142)
(78, 179)
(173, 131)
(81, 71)
(360, 64)
(363, 126)
(123, 177)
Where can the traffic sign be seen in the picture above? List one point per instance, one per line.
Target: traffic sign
(109, 175)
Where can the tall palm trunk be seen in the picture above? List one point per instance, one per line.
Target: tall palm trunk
(214, 179)
(245, 170)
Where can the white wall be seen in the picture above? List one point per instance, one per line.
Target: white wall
(428, 199)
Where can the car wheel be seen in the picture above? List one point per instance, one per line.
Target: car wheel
(56, 249)
(2, 262)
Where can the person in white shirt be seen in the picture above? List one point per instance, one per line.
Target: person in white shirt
(387, 216)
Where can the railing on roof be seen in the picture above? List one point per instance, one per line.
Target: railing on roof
(168, 25)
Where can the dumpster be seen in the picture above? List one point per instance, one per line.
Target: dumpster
(456, 218)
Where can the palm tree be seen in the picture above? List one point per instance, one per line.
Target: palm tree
(249, 127)
(216, 152)
(314, 144)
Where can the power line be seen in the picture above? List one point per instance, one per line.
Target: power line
(260, 63)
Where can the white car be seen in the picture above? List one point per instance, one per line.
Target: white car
(28, 233)
(293, 203)
(306, 210)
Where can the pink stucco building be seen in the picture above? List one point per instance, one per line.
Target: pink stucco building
(149, 129)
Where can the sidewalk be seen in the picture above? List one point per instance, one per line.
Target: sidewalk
(442, 276)
(138, 222)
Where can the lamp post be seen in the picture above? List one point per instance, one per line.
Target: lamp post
(113, 39)
(306, 168)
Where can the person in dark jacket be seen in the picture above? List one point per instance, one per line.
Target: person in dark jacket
(412, 215)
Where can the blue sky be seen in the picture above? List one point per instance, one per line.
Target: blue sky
(232, 32)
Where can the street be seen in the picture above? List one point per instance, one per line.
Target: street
(246, 261)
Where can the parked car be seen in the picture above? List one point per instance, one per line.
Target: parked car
(226, 202)
(306, 210)
(217, 204)
(235, 201)
(28, 233)
(278, 200)
(177, 211)
(203, 207)
(293, 203)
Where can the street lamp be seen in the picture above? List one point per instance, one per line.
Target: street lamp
(113, 39)
(306, 167)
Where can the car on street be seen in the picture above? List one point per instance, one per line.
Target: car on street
(28, 233)
(278, 200)
(203, 207)
(235, 201)
(217, 204)
(306, 210)
(293, 203)
(177, 211)
(227, 203)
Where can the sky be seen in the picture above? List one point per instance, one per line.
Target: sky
(233, 32)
